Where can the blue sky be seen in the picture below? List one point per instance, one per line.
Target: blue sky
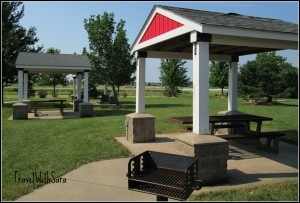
(60, 24)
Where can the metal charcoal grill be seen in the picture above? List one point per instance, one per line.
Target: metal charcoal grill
(165, 175)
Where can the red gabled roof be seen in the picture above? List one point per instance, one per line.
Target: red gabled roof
(159, 25)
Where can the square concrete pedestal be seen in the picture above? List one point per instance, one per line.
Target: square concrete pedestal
(20, 111)
(140, 128)
(28, 105)
(86, 109)
(76, 103)
(212, 153)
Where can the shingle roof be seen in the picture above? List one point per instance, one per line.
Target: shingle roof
(233, 20)
(49, 59)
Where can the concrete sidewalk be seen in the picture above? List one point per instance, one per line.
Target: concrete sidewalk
(107, 181)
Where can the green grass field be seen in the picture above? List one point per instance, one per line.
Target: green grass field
(284, 191)
(63, 145)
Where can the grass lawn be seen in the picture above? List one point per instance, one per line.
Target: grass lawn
(63, 145)
(283, 191)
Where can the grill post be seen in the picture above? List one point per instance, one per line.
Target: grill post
(161, 198)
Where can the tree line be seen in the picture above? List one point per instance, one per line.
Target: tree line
(109, 52)
(266, 77)
(269, 75)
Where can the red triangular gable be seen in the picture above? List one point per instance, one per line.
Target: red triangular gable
(159, 25)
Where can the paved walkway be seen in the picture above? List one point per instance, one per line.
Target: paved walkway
(107, 181)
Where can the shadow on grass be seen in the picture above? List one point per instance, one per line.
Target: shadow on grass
(291, 137)
(114, 107)
(131, 105)
(112, 112)
(7, 104)
(127, 108)
(271, 104)
(238, 177)
(165, 105)
(108, 104)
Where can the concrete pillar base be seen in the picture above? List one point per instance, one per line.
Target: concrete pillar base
(28, 104)
(20, 111)
(212, 153)
(86, 109)
(76, 103)
(140, 128)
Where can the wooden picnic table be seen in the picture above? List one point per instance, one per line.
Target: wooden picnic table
(226, 121)
(240, 121)
(35, 104)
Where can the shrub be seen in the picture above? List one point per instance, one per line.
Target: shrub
(171, 92)
(42, 93)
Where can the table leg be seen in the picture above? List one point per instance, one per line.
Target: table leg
(212, 128)
(256, 142)
(35, 109)
(35, 112)
(61, 107)
(258, 127)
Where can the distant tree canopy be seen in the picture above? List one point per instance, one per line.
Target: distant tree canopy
(109, 51)
(269, 75)
(218, 74)
(53, 79)
(15, 39)
(173, 74)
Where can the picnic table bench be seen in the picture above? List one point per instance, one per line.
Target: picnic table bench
(241, 122)
(47, 103)
(271, 144)
(227, 121)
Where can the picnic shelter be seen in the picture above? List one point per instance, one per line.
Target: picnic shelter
(201, 36)
(29, 62)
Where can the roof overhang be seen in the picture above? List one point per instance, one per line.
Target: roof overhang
(53, 69)
(52, 63)
(226, 41)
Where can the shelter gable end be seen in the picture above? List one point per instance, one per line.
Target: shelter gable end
(159, 25)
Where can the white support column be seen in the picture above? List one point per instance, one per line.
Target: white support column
(74, 84)
(20, 85)
(25, 85)
(232, 86)
(86, 87)
(140, 85)
(201, 88)
(79, 86)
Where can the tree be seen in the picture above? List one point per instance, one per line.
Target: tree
(218, 74)
(289, 83)
(172, 75)
(15, 38)
(109, 51)
(124, 66)
(52, 79)
(93, 92)
(269, 75)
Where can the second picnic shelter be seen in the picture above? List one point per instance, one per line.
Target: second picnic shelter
(201, 36)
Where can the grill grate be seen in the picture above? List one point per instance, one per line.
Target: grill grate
(166, 175)
(161, 176)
